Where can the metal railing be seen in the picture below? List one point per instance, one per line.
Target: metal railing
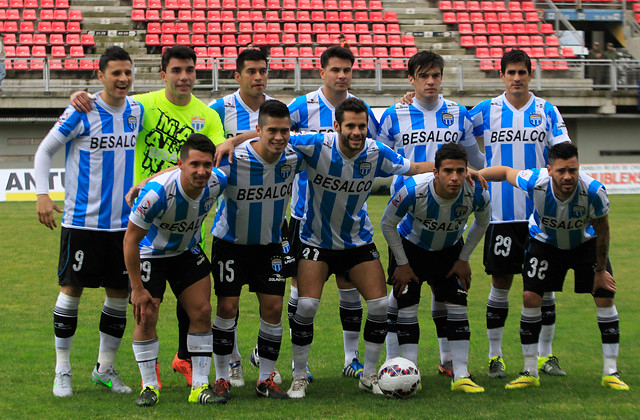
(377, 74)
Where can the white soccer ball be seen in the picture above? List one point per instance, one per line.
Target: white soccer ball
(399, 378)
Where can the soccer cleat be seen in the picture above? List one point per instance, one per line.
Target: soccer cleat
(183, 366)
(446, 369)
(111, 380)
(497, 368)
(205, 395)
(148, 397)
(254, 358)
(269, 389)
(466, 385)
(298, 387)
(62, 385)
(613, 381)
(236, 377)
(370, 384)
(221, 388)
(352, 370)
(525, 380)
(550, 366)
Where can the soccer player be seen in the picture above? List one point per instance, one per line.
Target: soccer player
(162, 243)
(99, 171)
(172, 114)
(239, 114)
(336, 234)
(432, 210)
(247, 246)
(517, 129)
(315, 111)
(569, 228)
(416, 131)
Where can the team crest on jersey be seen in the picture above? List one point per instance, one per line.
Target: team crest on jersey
(285, 171)
(375, 254)
(285, 247)
(197, 123)
(460, 211)
(208, 204)
(276, 264)
(578, 211)
(447, 119)
(535, 119)
(364, 168)
(196, 250)
(132, 122)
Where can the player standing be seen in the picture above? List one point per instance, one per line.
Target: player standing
(416, 131)
(315, 111)
(336, 234)
(517, 129)
(99, 171)
(569, 228)
(423, 225)
(162, 243)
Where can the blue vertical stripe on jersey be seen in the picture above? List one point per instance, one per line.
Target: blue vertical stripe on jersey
(335, 167)
(488, 153)
(326, 114)
(218, 106)
(276, 223)
(507, 189)
(347, 222)
(327, 204)
(150, 236)
(530, 162)
(106, 119)
(243, 119)
(70, 124)
(182, 206)
(205, 194)
(129, 158)
(507, 117)
(85, 123)
(417, 118)
(364, 234)
(256, 171)
(420, 153)
(395, 125)
(255, 223)
(527, 114)
(106, 190)
(82, 195)
(299, 106)
(175, 239)
(231, 213)
(593, 192)
(551, 208)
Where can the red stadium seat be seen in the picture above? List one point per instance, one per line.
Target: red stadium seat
(40, 39)
(514, 6)
(547, 29)
(153, 15)
(55, 63)
(184, 15)
(273, 27)
(23, 51)
(480, 41)
(36, 64)
(56, 39)
(214, 28)
(478, 29)
(552, 52)
(228, 39)
(227, 16)
(29, 14)
(290, 27)
(20, 64)
(490, 17)
(182, 28)
(71, 64)
(58, 51)
(524, 40)
(73, 39)
(87, 40)
(168, 15)
(466, 41)
(183, 39)
(229, 27)
(495, 41)
(260, 27)
(76, 51)
(243, 16)
(213, 16)
(47, 4)
(152, 39)
(167, 40)
(305, 39)
(137, 15)
(552, 41)
(168, 27)
(375, 16)
(12, 26)
(74, 27)
(446, 5)
(26, 26)
(39, 51)
(213, 39)
(273, 39)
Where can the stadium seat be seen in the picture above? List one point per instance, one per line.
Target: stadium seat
(304, 28)
(490, 17)
(496, 53)
(184, 15)
(76, 51)
(506, 28)
(408, 40)
(183, 39)
(200, 52)
(47, 4)
(213, 16)
(12, 26)
(138, 4)
(40, 39)
(273, 27)
(36, 64)
(60, 14)
(466, 41)
(38, 51)
(244, 4)
(446, 5)
(476, 17)
(168, 27)
(56, 39)
(171, 4)
(10, 51)
(552, 41)
(214, 28)
(258, 4)
(531, 17)
(198, 40)
(23, 51)
(305, 39)
(229, 4)
(528, 6)
(228, 39)
(463, 17)
(552, 52)
(198, 28)
(200, 4)
(547, 65)
(26, 26)
(243, 16)
(87, 40)
(478, 29)
(55, 64)
(379, 39)
(375, 16)
(10, 39)
(480, 41)
(58, 51)
(244, 39)
(473, 6)
(348, 28)
(380, 52)
(29, 14)
(561, 65)
(153, 15)
(229, 27)
(514, 6)
(290, 27)
(273, 39)
(394, 39)
(289, 39)
(244, 27)
(524, 40)
(71, 64)
(152, 4)
(345, 5)
(168, 15)
(30, 4)
(73, 39)
(459, 6)
(273, 4)
(547, 29)
(537, 52)
(25, 39)
(260, 27)
(167, 40)
(74, 27)
(137, 15)
(495, 41)
(510, 41)
(331, 5)
(272, 16)
(213, 39)
(333, 28)
(182, 28)
(323, 39)
(227, 16)
(20, 64)
(393, 28)
(486, 6)
(568, 52)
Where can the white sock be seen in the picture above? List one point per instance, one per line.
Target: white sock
(109, 344)
(530, 351)
(409, 315)
(63, 345)
(545, 344)
(393, 348)
(609, 350)
(351, 339)
(200, 344)
(146, 354)
(443, 342)
(459, 348)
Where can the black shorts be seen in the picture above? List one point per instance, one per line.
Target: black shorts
(181, 271)
(504, 245)
(290, 246)
(340, 261)
(546, 266)
(92, 258)
(431, 267)
(259, 266)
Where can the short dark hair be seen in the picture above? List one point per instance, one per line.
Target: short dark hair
(336, 51)
(424, 60)
(181, 52)
(515, 56)
(272, 108)
(112, 54)
(199, 142)
(249, 55)
(564, 150)
(351, 104)
(450, 151)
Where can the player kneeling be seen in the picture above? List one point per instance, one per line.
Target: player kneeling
(164, 234)
(428, 246)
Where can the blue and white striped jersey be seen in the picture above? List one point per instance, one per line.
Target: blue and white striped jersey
(255, 201)
(417, 133)
(336, 216)
(518, 139)
(174, 219)
(563, 224)
(99, 159)
(235, 115)
(431, 222)
(313, 112)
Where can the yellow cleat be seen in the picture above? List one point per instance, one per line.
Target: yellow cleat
(466, 385)
(525, 380)
(613, 381)
(206, 395)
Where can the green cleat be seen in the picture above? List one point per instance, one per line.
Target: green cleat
(466, 385)
(148, 397)
(206, 395)
(111, 380)
(613, 381)
(550, 366)
(525, 380)
(497, 367)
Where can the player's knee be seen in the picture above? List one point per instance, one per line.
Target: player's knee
(531, 299)
(226, 308)
(271, 312)
(307, 307)
(502, 281)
